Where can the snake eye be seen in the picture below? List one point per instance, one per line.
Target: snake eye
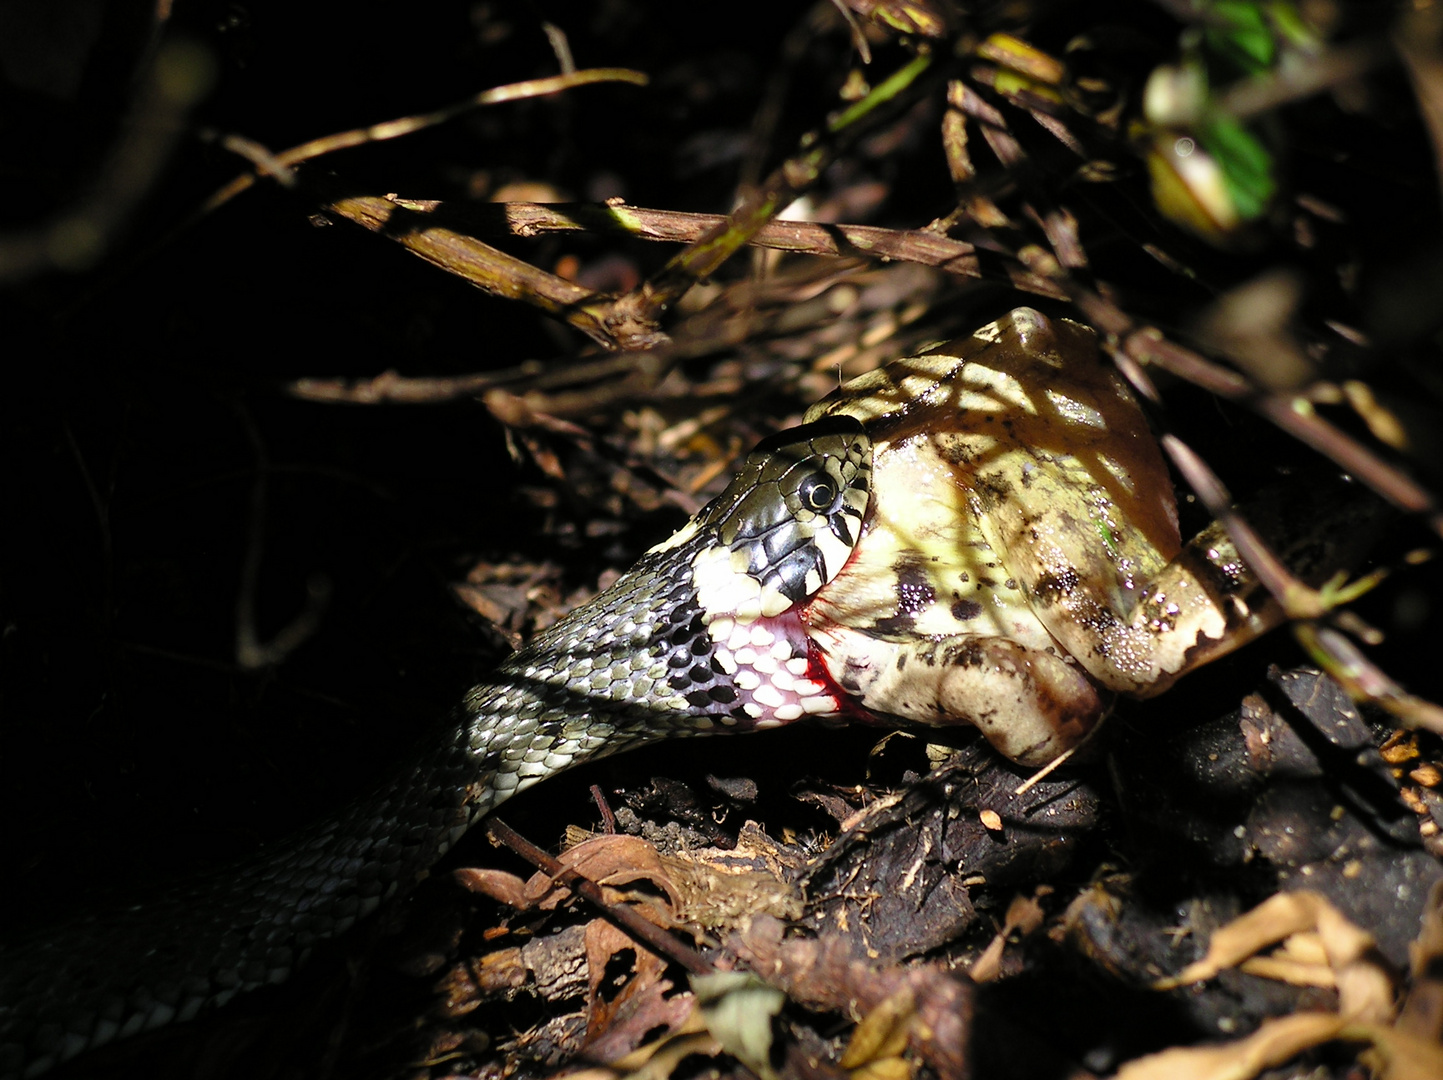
(818, 493)
(786, 525)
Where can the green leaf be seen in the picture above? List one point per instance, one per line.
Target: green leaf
(1246, 165)
(1239, 32)
(738, 1008)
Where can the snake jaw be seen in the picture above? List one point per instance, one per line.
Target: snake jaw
(727, 591)
(771, 663)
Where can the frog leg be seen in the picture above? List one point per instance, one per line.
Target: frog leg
(1029, 703)
(1203, 604)
(1207, 601)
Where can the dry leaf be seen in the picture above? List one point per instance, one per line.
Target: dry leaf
(1290, 971)
(1396, 1055)
(669, 1053)
(1365, 986)
(1392, 1055)
(738, 1008)
(1271, 1045)
(892, 1068)
(883, 1032)
(628, 994)
(1025, 914)
(1422, 1011)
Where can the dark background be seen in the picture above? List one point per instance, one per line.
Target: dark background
(142, 396)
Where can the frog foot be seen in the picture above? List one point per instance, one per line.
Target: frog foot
(1030, 704)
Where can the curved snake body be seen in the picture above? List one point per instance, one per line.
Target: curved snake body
(702, 635)
(1018, 562)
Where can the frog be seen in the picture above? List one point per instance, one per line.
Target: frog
(1021, 562)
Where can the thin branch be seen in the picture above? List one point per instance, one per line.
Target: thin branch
(1291, 413)
(797, 237)
(1297, 599)
(252, 653)
(646, 933)
(489, 269)
(751, 310)
(78, 236)
(1417, 41)
(1293, 82)
(1364, 680)
(266, 163)
(1298, 418)
(560, 47)
(406, 125)
(634, 318)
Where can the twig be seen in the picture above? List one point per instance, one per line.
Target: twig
(560, 46)
(1044, 772)
(251, 653)
(1291, 413)
(489, 269)
(1417, 41)
(406, 125)
(1293, 82)
(634, 318)
(266, 163)
(1364, 680)
(1297, 599)
(80, 234)
(608, 819)
(646, 933)
(797, 237)
(750, 310)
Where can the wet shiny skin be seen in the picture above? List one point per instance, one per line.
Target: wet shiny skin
(1021, 557)
(983, 534)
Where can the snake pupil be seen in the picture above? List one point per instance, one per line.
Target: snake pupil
(817, 493)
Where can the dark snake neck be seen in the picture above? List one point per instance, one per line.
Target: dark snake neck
(635, 665)
(704, 634)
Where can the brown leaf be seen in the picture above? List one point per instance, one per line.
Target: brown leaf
(615, 861)
(1396, 1055)
(1365, 986)
(497, 884)
(628, 995)
(1422, 1011)
(824, 972)
(883, 1032)
(1025, 914)
(1271, 1045)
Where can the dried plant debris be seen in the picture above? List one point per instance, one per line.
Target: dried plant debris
(1317, 946)
(923, 1008)
(1290, 786)
(640, 249)
(901, 878)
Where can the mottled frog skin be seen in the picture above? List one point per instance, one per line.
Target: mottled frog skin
(1021, 560)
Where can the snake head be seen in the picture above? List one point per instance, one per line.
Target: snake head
(786, 524)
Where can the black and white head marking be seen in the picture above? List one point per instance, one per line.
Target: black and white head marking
(785, 525)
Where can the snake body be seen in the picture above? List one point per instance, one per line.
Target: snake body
(702, 635)
(1018, 562)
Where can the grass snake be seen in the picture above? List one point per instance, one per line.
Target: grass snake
(966, 536)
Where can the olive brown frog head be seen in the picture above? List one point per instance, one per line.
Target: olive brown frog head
(1021, 560)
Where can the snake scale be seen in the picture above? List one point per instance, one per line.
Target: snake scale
(981, 534)
(646, 659)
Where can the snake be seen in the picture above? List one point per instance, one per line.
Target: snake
(704, 634)
(984, 533)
